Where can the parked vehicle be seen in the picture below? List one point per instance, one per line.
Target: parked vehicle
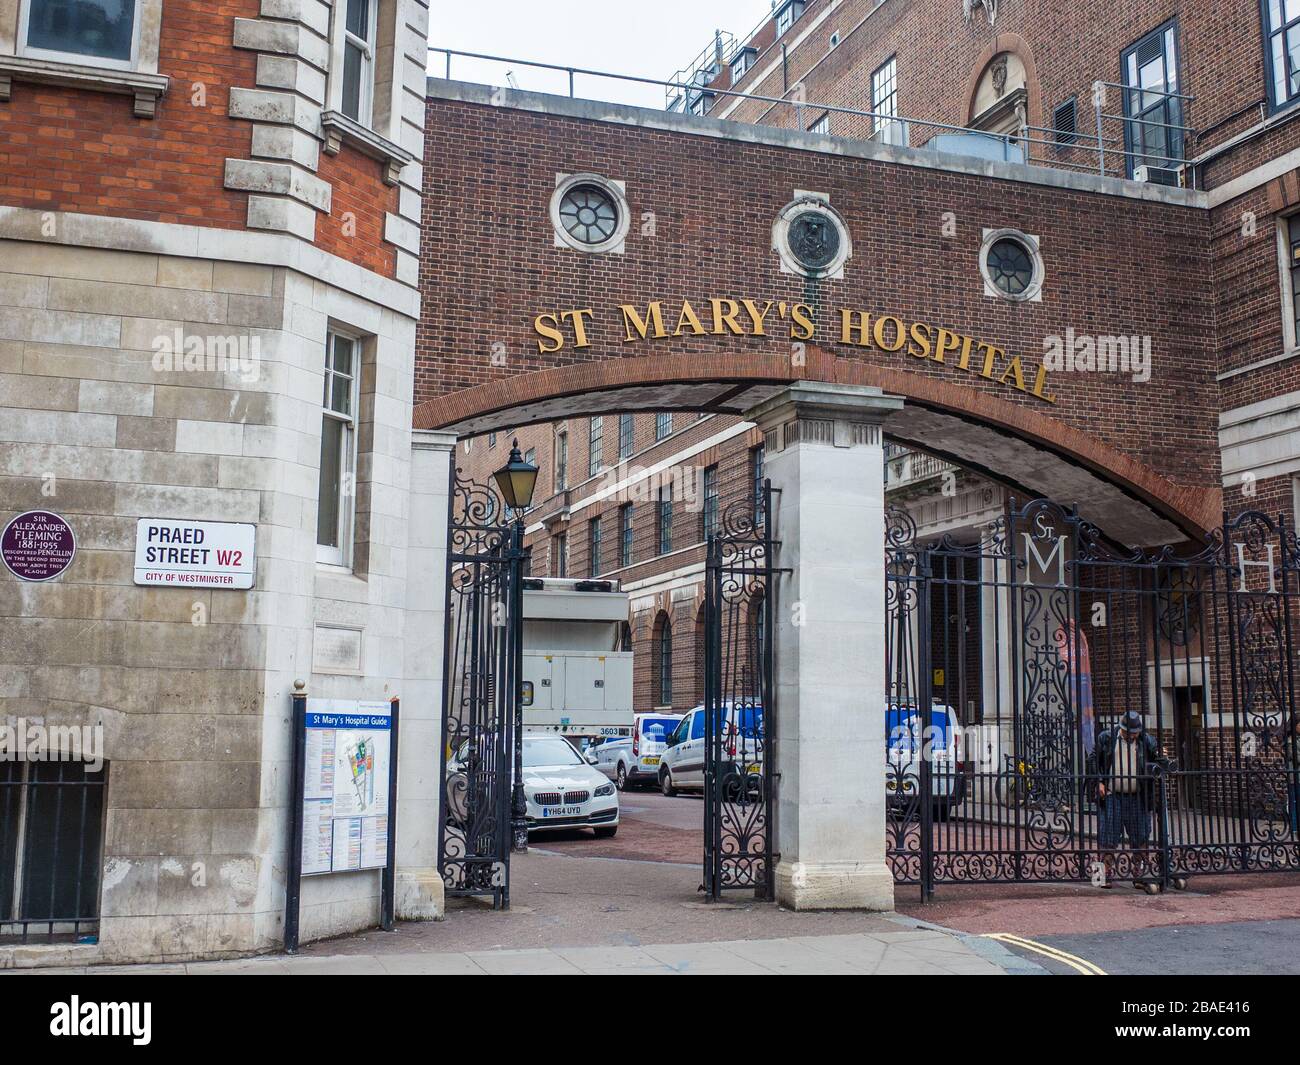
(577, 678)
(635, 759)
(681, 766)
(907, 744)
(563, 790)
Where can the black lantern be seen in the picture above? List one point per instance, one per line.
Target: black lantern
(516, 480)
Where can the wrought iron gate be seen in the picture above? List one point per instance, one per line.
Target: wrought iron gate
(481, 683)
(1028, 645)
(740, 702)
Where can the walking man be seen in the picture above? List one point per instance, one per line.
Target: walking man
(1126, 760)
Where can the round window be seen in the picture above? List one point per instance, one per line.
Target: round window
(588, 214)
(1010, 267)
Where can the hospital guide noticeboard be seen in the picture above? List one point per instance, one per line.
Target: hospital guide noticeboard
(345, 786)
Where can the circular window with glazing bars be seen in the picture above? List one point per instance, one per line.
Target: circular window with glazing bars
(590, 213)
(1011, 265)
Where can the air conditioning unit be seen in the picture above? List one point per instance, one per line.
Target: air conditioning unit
(1159, 175)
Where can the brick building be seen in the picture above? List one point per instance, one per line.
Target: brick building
(1022, 73)
(257, 271)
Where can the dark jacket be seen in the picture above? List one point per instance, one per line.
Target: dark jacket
(1150, 761)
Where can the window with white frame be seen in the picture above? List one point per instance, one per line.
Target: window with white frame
(105, 32)
(593, 547)
(822, 124)
(663, 425)
(360, 29)
(785, 17)
(625, 427)
(561, 461)
(336, 506)
(595, 446)
(884, 102)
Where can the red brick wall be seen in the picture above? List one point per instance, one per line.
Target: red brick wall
(1115, 266)
(80, 151)
(85, 152)
(1071, 45)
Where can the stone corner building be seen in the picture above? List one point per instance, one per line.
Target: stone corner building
(243, 280)
(201, 207)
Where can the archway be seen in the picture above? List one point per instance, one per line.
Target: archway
(1032, 453)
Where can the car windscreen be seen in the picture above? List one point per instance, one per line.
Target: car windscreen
(661, 727)
(547, 751)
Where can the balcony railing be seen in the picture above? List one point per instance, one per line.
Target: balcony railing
(913, 467)
(1114, 147)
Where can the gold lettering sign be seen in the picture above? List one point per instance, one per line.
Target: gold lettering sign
(888, 333)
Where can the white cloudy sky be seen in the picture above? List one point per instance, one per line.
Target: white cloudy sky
(650, 38)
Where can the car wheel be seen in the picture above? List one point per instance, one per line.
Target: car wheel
(620, 780)
(606, 831)
(666, 783)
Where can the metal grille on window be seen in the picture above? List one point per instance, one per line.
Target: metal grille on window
(589, 214)
(51, 850)
(593, 546)
(663, 425)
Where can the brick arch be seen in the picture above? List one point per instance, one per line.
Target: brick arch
(1007, 42)
(588, 388)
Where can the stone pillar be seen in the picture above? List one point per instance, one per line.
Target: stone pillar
(823, 452)
(995, 642)
(419, 787)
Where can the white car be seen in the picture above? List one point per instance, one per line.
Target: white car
(634, 759)
(564, 790)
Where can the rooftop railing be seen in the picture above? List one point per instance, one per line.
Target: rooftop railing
(1118, 144)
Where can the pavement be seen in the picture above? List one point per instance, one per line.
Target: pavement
(632, 904)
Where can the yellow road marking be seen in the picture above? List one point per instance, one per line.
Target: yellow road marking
(1079, 965)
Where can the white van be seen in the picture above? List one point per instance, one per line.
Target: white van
(682, 763)
(634, 759)
(906, 744)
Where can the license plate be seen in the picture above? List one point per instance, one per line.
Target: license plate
(754, 769)
(561, 811)
(650, 761)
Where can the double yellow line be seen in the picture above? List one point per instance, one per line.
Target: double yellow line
(1079, 965)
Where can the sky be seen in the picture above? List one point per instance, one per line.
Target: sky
(648, 38)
